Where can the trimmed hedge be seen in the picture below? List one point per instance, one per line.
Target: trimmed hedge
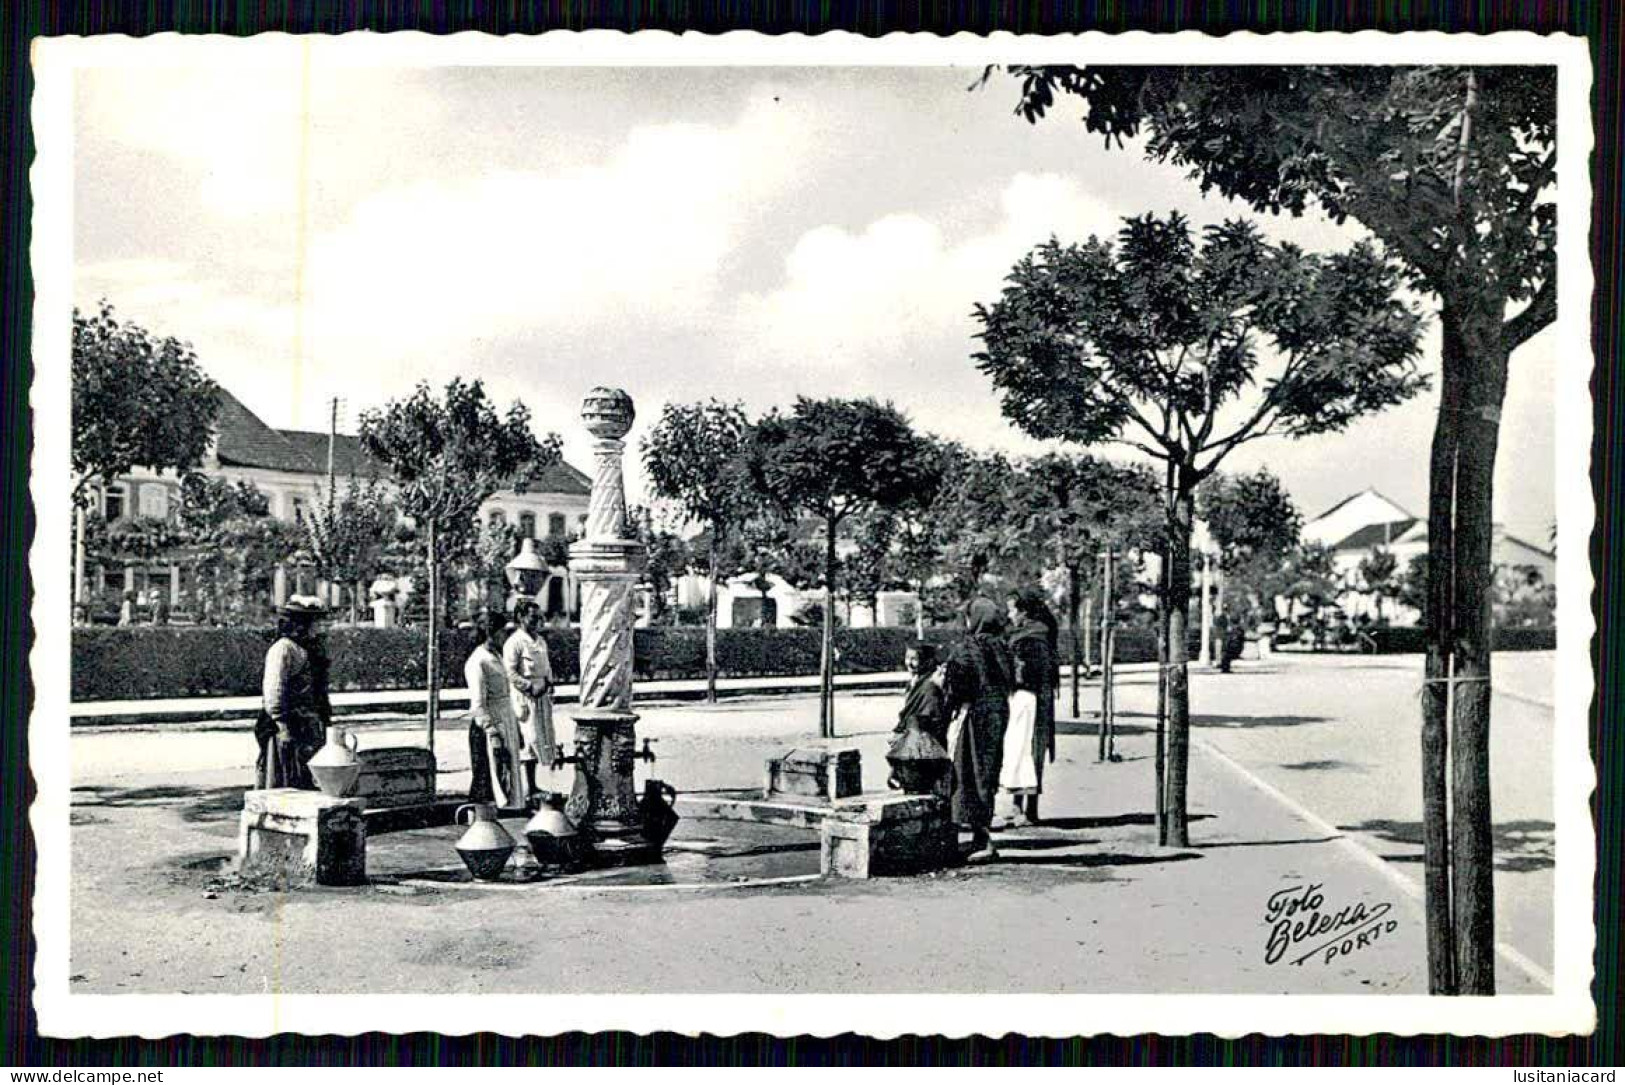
(136, 663)
(1397, 640)
(152, 662)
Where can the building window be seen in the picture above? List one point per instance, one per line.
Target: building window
(153, 500)
(555, 524)
(496, 519)
(113, 503)
(298, 504)
(527, 525)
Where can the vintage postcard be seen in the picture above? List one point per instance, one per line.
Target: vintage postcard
(805, 535)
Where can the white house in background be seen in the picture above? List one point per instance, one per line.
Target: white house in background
(740, 603)
(290, 468)
(1368, 520)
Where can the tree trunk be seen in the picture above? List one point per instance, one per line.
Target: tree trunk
(919, 612)
(826, 665)
(1472, 845)
(1107, 610)
(1074, 583)
(434, 632)
(1161, 764)
(1179, 705)
(711, 621)
(78, 553)
(1439, 621)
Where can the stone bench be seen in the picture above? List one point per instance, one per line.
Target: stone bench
(288, 837)
(875, 835)
(815, 772)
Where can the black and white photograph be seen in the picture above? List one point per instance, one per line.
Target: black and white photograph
(806, 535)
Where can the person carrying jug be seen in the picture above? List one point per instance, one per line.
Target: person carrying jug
(530, 673)
(294, 692)
(494, 743)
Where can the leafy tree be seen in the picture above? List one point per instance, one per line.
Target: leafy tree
(344, 535)
(231, 542)
(1453, 169)
(1254, 523)
(1308, 578)
(922, 530)
(1411, 586)
(1068, 508)
(138, 401)
(481, 558)
(695, 458)
(870, 567)
(972, 508)
(447, 455)
(1377, 571)
(669, 558)
(1146, 341)
(833, 459)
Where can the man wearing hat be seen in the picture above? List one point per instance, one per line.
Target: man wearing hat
(294, 710)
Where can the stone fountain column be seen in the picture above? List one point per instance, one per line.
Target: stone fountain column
(607, 566)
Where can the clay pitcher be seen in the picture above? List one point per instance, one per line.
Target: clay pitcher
(553, 839)
(335, 767)
(486, 846)
(658, 811)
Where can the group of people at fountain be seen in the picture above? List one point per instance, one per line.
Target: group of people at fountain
(987, 706)
(510, 685)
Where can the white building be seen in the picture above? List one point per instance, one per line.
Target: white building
(1367, 520)
(290, 467)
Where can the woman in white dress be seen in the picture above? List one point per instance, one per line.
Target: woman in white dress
(1030, 738)
(493, 733)
(530, 673)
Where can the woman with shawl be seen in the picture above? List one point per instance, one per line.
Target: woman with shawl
(1030, 738)
(977, 678)
(294, 707)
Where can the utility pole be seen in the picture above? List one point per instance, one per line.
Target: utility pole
(1108, 650)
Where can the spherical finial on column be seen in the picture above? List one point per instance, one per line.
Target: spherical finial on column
(608, 413)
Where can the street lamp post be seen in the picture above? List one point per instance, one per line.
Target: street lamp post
(527, 574)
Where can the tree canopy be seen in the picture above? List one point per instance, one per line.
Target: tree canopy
(1143, 341)
(448, 454)
(138, 400)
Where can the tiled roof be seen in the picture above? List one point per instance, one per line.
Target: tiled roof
(1375, 535)
(558, 478)
(245, 441)
(242, 440)
(348, 456)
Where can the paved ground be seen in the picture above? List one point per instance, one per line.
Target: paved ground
(1085, 903)
(1339, 735)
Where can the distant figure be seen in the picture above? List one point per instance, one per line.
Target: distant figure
(1030, 737)
(530, 673)
(126, 610)
(160, 611)
(289, 728)
(494, 743)
(977, 678)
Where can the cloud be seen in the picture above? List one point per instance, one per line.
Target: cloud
(639, 238)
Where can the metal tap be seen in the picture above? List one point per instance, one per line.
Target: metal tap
(560, 759)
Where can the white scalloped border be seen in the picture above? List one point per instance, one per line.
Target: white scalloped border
(1569, 1009)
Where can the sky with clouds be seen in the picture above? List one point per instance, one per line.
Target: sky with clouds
(683, 233)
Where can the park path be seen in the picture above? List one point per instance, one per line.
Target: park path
(1085, 902)
(1337, 736)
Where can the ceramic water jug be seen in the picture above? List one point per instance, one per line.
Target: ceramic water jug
(553, 839)
(486, 846)
(658, 811)
(335, 767)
